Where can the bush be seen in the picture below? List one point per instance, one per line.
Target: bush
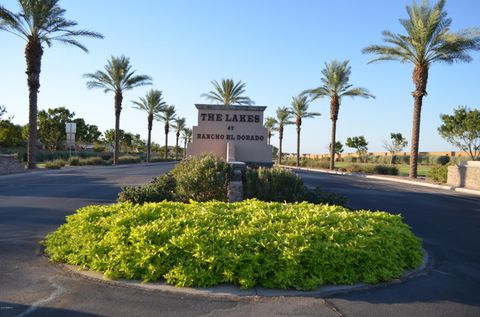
(74, 161)
(438, 173)
(357, 168)
(56, 164)
(202, 179)
(95, 160)
(385, 170)
(160, 189)
(443, 160)
(274, 245)
(281, 185)
(273, 184)
(129, 159)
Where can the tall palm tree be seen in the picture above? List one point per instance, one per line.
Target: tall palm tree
(428, 40)
(117, 78)
(228, 93)
(152, 104)
(167, 116)
(283, 119)
(271, 125)
(336, 77)
(187, 137)
(39, 22)
(299, 109)
(179, 127)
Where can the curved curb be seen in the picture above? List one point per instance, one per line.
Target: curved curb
(234, 292)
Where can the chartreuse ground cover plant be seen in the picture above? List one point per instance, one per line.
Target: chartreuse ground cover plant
(269, 244)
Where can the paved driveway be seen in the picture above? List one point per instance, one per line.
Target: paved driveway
(33, 204)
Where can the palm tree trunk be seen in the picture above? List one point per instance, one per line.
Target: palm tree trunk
(417, 108)
(332, 148)
(298, 145)
(280, 137)
(166, 140)
(33, 56)
(185, 148)
(420, 77)
(334, 108)
(149, 139)
(176, 145)
(118, 110)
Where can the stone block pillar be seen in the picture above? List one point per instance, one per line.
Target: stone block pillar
(465, 175)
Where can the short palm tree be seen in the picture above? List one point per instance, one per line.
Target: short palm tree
(187, 138)
(428, 40)
(228, 93)
(283, 119)
(336, 77)
(117, 78)
(179, 127)
(271, 125)
(152, 104)
(299, 109)
(39, 22)
(167, 116)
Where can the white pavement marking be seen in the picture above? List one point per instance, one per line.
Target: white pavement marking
(58, 291)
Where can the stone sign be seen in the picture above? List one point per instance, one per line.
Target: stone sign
(235, 133)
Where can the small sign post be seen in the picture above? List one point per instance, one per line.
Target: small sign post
(70, 129)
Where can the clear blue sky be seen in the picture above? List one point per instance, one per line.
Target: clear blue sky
(277, 47)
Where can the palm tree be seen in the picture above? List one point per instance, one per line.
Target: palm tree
(299, 109)
(39, 22)
(271, 125)
(152, 104)
(228, 93)
(187, 137)
(179, 127)
(283, 118)
(167, 116)
(117, 78)
(428, 40)
(336, 76)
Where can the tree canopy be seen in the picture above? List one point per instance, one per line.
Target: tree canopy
(462, 129)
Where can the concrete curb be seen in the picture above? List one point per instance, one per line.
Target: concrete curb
(234, 292)
(390, 179)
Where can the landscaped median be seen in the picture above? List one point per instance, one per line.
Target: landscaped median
(251, 243)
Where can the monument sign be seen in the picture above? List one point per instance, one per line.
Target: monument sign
(235, 133)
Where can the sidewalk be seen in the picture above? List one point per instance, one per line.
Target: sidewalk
(387, 178)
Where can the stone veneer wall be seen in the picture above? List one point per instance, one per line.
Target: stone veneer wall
(9, 164)
(467, 175)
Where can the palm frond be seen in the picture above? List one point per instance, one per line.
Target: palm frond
(428, 38)
(228, 93)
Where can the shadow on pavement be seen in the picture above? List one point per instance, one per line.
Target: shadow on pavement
(11, 310)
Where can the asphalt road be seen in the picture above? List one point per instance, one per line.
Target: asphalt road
(34, 204)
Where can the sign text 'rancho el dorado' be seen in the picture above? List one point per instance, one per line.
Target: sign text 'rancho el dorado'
(231, 132)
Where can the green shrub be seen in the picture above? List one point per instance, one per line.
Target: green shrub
(273, 184)
(202, 179)
(443, 160)
(385, 170)
(281, 185)
(161, 188)
(438, 173)
(360, 168)
(74, 161)
(274, 245)
(95, 160)
(129, 159)
(56, 164)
